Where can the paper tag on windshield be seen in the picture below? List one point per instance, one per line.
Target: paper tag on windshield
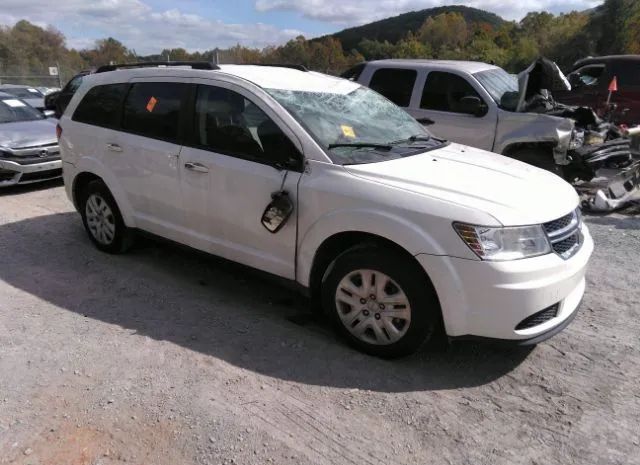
(14, 103)
(348, 131)
(151, 104)
(33, 91)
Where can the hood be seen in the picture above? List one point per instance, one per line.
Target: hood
(542, 75)
(28, 133)
(512, 192)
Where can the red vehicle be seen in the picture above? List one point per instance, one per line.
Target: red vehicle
(591, 79)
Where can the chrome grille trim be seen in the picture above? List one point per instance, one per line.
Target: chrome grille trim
(565, 234)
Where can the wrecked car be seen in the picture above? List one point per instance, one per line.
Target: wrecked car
(483, 106)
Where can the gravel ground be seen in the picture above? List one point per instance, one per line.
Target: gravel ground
(166, 356)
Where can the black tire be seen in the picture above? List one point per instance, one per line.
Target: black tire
(538, 157)
(425, 322)
(122, 239)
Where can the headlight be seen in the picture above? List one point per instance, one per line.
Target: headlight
(499, 244)
(577, 140)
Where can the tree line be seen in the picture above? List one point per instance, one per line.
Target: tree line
(613, 28)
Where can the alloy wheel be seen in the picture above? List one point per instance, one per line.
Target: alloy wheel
(100, 219)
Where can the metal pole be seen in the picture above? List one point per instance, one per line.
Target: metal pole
(59, 75)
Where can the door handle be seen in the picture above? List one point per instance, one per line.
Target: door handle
(197, 167)
(114, 147)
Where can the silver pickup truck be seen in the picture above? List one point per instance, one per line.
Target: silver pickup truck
(482, 105)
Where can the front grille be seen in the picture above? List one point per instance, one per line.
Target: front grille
(539, 318)
(564, 234)
(31, 160)
(560, 223)
(38, 175)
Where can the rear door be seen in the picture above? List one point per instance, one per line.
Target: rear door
(144, 155)
(228, 177)
(441, 102)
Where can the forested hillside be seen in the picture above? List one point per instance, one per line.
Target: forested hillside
(448, 33)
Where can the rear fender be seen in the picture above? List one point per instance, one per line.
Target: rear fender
(93, 166)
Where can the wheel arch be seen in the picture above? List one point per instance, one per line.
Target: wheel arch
(90, 169)
(339, 243)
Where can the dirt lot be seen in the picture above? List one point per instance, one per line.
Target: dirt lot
(165, 356)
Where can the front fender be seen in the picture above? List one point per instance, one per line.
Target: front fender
(534, 128)
(410, 236)
(94, 166)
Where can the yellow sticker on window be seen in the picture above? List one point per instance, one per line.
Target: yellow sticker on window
(151, 104)
(348, 131)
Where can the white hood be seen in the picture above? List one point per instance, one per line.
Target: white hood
(514, 193)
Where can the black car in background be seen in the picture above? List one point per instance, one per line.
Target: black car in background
(592, 78)
(58, 101)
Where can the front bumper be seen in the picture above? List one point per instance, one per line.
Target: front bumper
(12, 173)
(490, 299)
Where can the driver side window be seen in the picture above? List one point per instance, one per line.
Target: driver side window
(228, 123)
(445, 91)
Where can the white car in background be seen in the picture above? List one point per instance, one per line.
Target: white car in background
(323, 182)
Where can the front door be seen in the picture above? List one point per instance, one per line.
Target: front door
(442, 102)
(228, 177)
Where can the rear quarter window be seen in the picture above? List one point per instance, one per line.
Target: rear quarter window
(152, 109)
(101, 106)
(395, 84)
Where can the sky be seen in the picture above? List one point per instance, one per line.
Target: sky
(148, 26)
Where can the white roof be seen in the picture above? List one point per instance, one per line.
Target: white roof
(269, 77)
(466, 66)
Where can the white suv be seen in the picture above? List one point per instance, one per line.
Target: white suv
(326, 183)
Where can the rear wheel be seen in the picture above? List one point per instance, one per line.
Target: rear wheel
(102, 219)
(381, 302)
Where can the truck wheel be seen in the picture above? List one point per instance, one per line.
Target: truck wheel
(380, 302)
(539, 158)
(102, 219)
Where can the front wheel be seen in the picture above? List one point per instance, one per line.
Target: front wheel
(381, 302)
(539, 158)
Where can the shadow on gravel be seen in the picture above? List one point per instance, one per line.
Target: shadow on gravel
(219, 309)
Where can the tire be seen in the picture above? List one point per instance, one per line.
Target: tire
(373, 321)
(540, 158)
(102, 219)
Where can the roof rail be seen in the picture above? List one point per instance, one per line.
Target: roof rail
(282, 65)
(148, 64)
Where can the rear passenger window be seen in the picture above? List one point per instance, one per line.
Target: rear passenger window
(101, 106)
(395, 84)
(445, 91)
(152, 109)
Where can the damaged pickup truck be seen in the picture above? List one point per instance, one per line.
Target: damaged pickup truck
(483, 106)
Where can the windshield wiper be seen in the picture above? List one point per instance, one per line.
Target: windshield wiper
(362, 145)
(420, 138)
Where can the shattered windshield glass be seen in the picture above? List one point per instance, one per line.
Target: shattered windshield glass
(358, 127)
(502, 86)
